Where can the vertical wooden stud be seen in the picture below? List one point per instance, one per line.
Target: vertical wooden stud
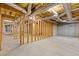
(33, 31)
(42, 29)
(38, 30)
(1, 28)
(28, 32)
(22, 33)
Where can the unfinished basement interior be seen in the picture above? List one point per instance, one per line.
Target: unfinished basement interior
(39, 29)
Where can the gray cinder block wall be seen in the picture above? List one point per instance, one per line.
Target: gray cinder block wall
(70, 30)
(54, 29)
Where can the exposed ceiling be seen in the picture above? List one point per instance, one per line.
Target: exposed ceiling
(59, 9)
(34, 7)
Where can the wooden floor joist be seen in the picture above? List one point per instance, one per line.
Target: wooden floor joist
(1, 28)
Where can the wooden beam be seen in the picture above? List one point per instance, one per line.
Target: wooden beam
(67, 9)
(71, 11)
(16, 7)
(8, 17)
(1, 29)
(43, 9)
(29, 8)
(5, 8)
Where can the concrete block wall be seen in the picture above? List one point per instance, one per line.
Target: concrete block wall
(70, 30)
(54, 29)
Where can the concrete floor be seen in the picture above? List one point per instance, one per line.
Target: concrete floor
(9, 44)
(53, 46)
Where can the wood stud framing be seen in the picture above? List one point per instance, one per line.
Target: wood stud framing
(35, 31)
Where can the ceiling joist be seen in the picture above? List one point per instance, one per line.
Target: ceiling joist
(67, 9)
(71, 11)
(29, 8)
(43, 9)
(16, 7)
